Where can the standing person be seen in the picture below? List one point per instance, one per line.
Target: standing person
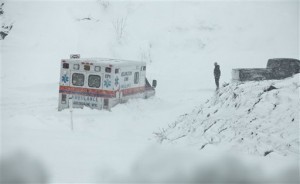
(217, 74)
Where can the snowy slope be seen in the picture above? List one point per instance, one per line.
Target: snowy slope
(258, 118)
(178, 40)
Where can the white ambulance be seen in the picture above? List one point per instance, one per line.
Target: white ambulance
(101, 83)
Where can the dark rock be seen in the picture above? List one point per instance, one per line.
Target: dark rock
(203, 146)
(270, 88)
(253, 120)
(1, 9)
(2, 35)
(268, 152)
(225, 84)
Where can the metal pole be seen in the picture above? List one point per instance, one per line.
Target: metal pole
(71, 111)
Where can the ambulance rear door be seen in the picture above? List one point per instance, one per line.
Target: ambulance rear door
(94, 82)
(87, 83)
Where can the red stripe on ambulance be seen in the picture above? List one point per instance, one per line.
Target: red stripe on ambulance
(131, 91)
(86, 91)
(99, 92)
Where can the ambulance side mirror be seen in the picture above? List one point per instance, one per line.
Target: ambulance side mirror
(154, 83)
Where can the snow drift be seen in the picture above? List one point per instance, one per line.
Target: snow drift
(259, 118)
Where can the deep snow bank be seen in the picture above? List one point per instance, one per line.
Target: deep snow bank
(259, 118)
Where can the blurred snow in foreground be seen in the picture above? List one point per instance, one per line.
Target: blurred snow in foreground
(168, 165)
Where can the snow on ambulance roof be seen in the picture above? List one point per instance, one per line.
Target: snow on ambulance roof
(106, 61)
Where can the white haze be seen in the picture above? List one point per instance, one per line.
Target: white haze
(179, 40)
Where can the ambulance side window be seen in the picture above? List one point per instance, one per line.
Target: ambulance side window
(78, 79)
(94, 81)
(136, 78)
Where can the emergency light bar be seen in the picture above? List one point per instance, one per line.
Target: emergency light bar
(74, 56)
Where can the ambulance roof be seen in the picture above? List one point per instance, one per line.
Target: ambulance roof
(107, 61)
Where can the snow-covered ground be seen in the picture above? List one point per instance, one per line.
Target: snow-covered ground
(180, 41)
(259, 118)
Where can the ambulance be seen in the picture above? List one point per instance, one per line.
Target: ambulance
(101, 83)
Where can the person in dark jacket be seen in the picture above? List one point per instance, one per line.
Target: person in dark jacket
(217, 74)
